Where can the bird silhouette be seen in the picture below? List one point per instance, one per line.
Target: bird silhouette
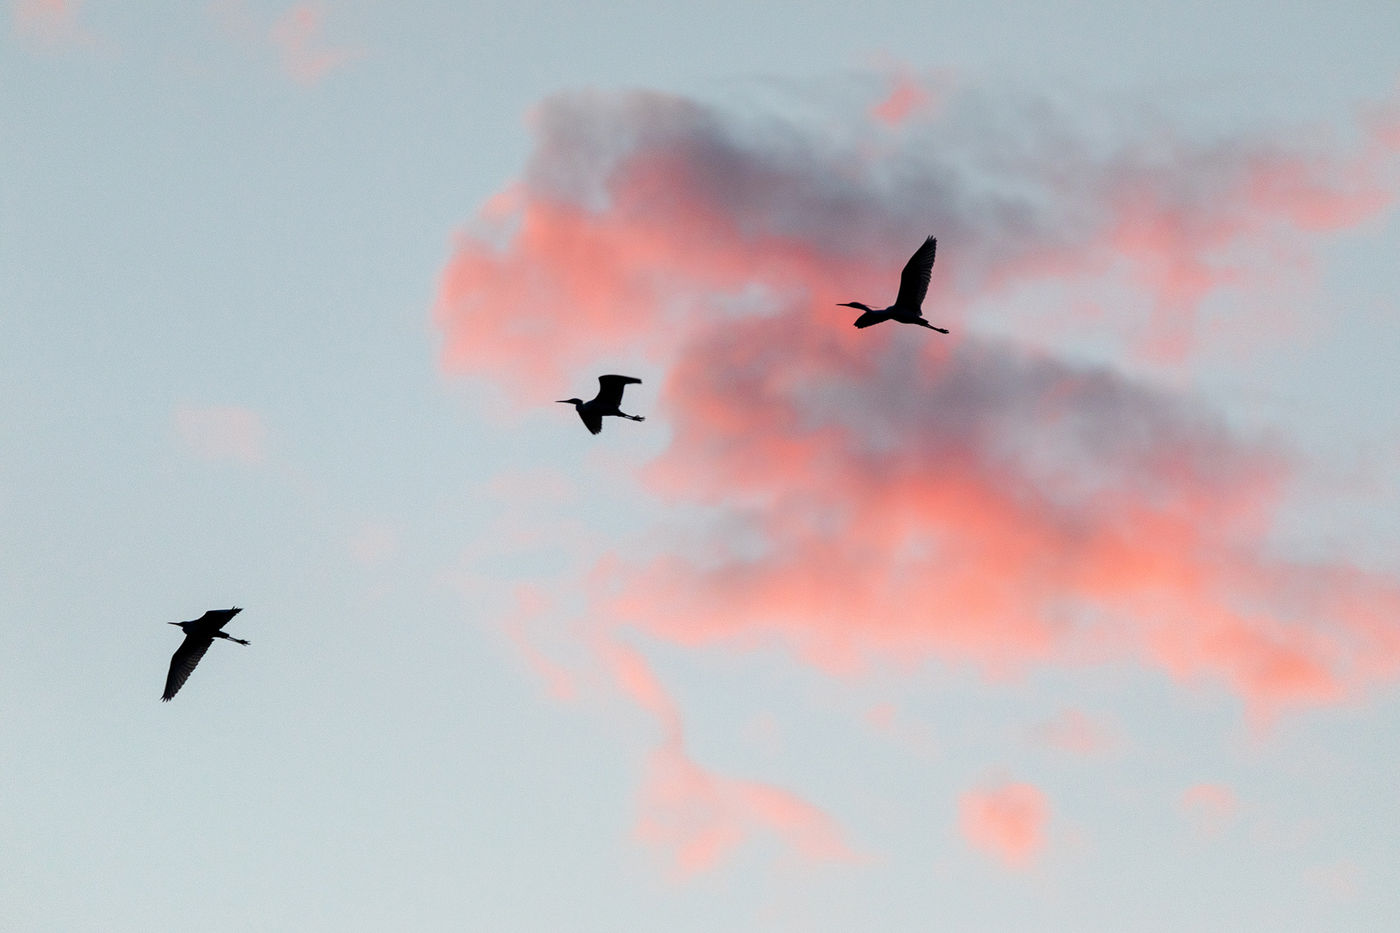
(604, 403)
(199, 635)
(913, 285)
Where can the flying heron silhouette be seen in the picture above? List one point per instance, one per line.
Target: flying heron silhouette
(199, 635)
(604, 403)
(913, 285)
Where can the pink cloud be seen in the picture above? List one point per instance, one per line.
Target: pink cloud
(530, 604)
(1210, 807)
(878, 496)
(50, 22)
(875, 495)
(638, 211)
(907, 98)
(1006, 821)
(1073, 731)
(1341, 880)
(915, 736)
(881, 717)
(986, 509)
(700, 818)
(1184, 245)
(374, 543)
(222, 432)
(299, 35)
(697, 817)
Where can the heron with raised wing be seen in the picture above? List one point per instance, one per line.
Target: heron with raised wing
(606, 402)
(908, 307)
(199, 635)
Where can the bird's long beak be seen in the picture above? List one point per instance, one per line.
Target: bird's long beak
(172, 623)
(564, 401)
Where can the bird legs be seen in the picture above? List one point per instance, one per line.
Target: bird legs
(231, 638)
(922, 323)
(631, 417)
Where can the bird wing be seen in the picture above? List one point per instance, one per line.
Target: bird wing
(610, 390)
(215, 619)
(183, 663)
(913, 281)
(591, 420)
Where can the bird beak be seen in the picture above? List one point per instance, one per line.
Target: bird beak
(564, 401)
(172, 623)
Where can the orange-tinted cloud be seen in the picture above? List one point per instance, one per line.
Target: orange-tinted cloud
(222, 432)
(1006, 821)
(872, 493)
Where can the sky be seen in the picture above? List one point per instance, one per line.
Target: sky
(1083, 617)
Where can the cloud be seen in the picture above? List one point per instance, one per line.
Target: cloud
(915, 736)
(299, 35)
(530, 604)
(1006, 821)
(642, 216)
(222, 432)
(875, 495)
(960, 499)
(1073, 731)
(697, 817)
(908, 97)
(1210, 807)
(374, 543)
(989, 508)
(51, 23)
(1342, 880)
(981, 505)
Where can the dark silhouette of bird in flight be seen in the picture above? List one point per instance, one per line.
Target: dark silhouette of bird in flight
(604, 403)
(909, 303)
(199, 635)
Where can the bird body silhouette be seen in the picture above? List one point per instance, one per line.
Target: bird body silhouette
(606, 402)
(909, 303)
(199, 635)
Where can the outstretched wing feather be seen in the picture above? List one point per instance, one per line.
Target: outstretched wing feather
(610, 390)
(913, 281)
(216, 619)
(183, 662)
